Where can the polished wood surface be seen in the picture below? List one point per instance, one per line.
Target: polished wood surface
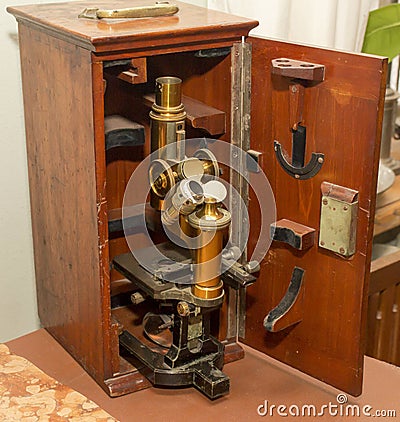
(254, 379)
(192, 25)
(61, 162)
(342, 116)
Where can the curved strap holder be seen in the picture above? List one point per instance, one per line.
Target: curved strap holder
(301, 75)
(302, 173)
(290, 309)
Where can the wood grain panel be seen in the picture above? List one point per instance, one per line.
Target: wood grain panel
(342, 116)
(59, 130)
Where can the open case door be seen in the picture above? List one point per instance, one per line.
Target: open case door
(325, 205)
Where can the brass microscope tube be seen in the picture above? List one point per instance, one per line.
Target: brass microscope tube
(210, 225)
(167, 117)
(167, 127)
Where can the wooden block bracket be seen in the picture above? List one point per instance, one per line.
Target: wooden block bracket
(298, 69)
(133, 71)
(294, 234)
(199, 115)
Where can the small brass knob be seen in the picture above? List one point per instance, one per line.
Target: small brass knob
(183, 309)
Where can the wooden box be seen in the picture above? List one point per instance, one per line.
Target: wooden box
(71, 84)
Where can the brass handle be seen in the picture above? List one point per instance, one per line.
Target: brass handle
(159, 9)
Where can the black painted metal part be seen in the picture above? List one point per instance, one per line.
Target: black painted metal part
(287, 301)
(194, 357)
(297, 169)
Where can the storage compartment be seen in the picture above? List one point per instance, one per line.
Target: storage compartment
(129, 96)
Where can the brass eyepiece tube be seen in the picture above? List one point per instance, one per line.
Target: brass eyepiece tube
(167, 118)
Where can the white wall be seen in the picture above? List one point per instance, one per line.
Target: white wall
(17, 282)
(18, 312)
(336, 24)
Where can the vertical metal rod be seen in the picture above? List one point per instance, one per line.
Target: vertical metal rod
(240, 138)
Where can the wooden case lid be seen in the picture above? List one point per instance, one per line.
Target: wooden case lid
(191, 25)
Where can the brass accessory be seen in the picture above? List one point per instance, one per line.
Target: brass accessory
(191, 168)
(210, 225)
(338, 226)
(183, 308)
(167, 119)
(187, 197)
(137, 298)
(162, 179)
(209, 161)
(159, 9)
(168, 94)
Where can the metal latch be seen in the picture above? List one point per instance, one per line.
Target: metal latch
(159, 9)
(338, 227)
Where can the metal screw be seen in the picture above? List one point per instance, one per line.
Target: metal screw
(342, 251)
(345, 208)
(297, 176)
(320, 160)
(325, 201)
(322, 243)
(294, 89)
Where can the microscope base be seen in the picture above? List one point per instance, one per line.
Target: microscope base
(203, 372)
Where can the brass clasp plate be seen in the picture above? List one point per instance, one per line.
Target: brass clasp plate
(338, 227)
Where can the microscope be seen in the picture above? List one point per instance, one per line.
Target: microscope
(185, 275)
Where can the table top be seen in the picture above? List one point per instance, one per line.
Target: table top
(257, 383)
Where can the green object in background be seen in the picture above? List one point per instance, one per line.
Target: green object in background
(382, 35)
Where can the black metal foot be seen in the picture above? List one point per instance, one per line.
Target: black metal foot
(203, 372)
